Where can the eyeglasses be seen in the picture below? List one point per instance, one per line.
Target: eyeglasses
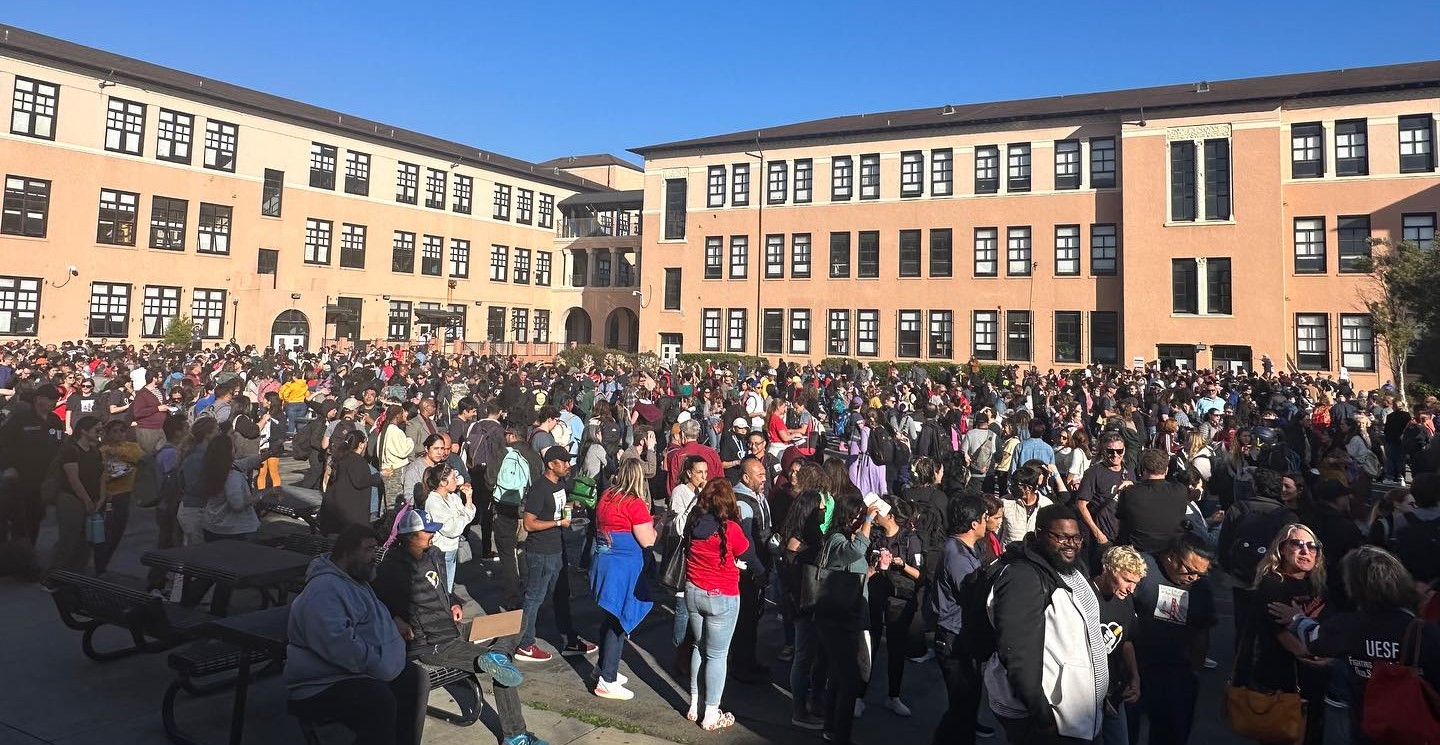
(1300, 545)
(1111, 451)
(1184, 570)
(1066, 539)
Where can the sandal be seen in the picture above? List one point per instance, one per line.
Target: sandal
(726, 719)
(693, 715)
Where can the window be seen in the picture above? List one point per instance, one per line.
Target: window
(26, 209)
(839, 255)
(800, 331)
(1217, 287)
(987, 256)
(867, 333)
(519, 323)
(579, 268)
(352, 246)
(1217, 179)
(167, 223)
(176, 132)
(672, 289)
(464, 194)
(1357, 342)
(109, 309)
(402, 252)
(739, 256)
(1417, 144)
(432, 250)
(19, 306)
(1104, 337)
(715, 187)
(207, 310)
(912, 173)
(542, 268)
(1312, 341)
(1354, 241)
(942, 334)
(804, 180)
(772, 331)
(1184, 292)
(157, 307)
(675, 209)
(842, 178)
(221, 141)
(774, 257)
(117, 217)
(1104, 250)
(434, 188)
(740, 184)
(317, 241)
(33, 111)
(983, 335)
(1067, 164)
(1351, 150)
(1017, 252)
(400, 318)
(1067, 250)
(800, 256)
(1418, 228)
(357, 173)
(547, 217)
(521, 275)
(267, 261)
(1182, 181)
(502, 202)
(838, 333)
(1102, 162)
(941, 252)
(1017, 166)
(1067, 336)
(776, 174)
(272, 194)
(602, 268)
(124, 126)
(907, 340)
(455, 329)
(1307, 150)
(942, 172)
(347, 321)
(499, 263)
(1310, 245)
(524, 206)
(495, 323)
(987, 169)
(870, 177)
(735, 330)
(213, 233)
(868, 254)
(909, 253)
(714, 257)
(710, 329)
(322, 166)
(407, 183)
(542, 326)
(1017, 335)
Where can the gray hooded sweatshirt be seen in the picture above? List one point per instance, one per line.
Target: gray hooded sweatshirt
(339, 631)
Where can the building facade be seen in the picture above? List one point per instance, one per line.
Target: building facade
(135, 194)
(1200, 225)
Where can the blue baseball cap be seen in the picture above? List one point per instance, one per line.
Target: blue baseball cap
(415, 521)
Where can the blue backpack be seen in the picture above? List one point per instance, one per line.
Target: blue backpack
(513, 478)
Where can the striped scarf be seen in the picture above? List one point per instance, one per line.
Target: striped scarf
(1084, 595)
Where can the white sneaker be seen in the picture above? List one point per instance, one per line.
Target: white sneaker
(924, 658)
(619, 678)
(1211, 664)
(896, 705)
(859, 708)
(615, 691)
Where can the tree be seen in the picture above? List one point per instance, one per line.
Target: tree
(1403, 298)
(178, 333)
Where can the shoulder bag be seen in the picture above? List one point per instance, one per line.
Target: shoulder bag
(1263, 716)
(672, 571)
(833, 593)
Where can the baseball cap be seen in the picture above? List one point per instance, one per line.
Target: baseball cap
(351, 404)
(415, 521)
(741, 421)
(555, 452)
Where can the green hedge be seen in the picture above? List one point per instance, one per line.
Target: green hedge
(882, 367)
(751, 362)
(1418, 390)
(575, 356)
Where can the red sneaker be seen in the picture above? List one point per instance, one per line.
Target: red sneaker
(533, 653)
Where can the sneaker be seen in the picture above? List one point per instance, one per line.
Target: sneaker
(1211, 664)
(896, 705)
(525, 738)
(579, 646)
(532, 653)
(1335, 703)
(619, 678)
(500, 668)
(807, 721)
(616, 691)
(787, 654)
(859, 708)
(924, 658)
(984, 731)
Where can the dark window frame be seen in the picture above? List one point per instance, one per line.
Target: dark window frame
(272, 194)
(109, 314)
(987, 169)
(1103, 162)
(174, 136)
(215, 223)
(155, 301)
(500, 202)
(432, 255)
(867, 254)
(1018, 167)
(802, 256)
(942, 252)
(118, 209)
(1217, 179)
(463, 195)
(909, 253)
(436, 188)
(775, 256)
(353, 238)
(543, 264)
(222, 145)
(1184, 175)
(524, 206)
(33, 103)
(1066, 259)
(1307, 150)
(400, 318)
(714, 257)
(1103, 324)
(912, 173)
(1068, 172)
(1356, 162)
(407, 183)
(1019, 335)
(772, 331)
(987, 241)
(357, 173)
(1100, 264)
(870, 176)
(940, 334)
(1352, 242)
(402, 252)
(1309, 233)
(1184, 287)
(672, 288)
(739, 257)
(1370, 353)
(318, 238)
(802, 181)
(842, 178)
(127, 124)
(985, 334)
(1219, 280)
(323, 160)
(942, 172)
(1421, 127)
(1068, 335)
(839, 255)
(777, 179)
(1318, 356)
(908, 333)
(1019, 256)
(169, 219)
(675, 208)
(740, 185)
(716, 186)
(867, 332)
(25, 210)
(520, 266)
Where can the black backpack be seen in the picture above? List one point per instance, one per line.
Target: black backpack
(308, 439)
(937, 441)
(1417, 545)
(974, 605)
(930, 528)
(881, 447)
(1246, 537)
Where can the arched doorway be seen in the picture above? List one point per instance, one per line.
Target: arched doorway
(622, 330)
(577, 327)
(291, 329)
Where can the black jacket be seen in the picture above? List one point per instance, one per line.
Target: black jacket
(411, 589)
(346, 500)
(1022, 593)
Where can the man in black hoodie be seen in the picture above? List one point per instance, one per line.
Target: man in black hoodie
(1245, 536)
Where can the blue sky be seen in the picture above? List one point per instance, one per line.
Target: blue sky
(539, 80)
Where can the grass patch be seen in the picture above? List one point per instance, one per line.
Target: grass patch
(590, 718)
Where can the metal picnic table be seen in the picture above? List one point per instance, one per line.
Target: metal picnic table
(232, 565)
(259, 634)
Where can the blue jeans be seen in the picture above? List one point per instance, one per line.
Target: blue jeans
(712, 623)
(802, 673)
(612, 644)
(1115, 730)
(1394, 461)
(545, 576)
(682, 620)
(450, 557)
(293, 413)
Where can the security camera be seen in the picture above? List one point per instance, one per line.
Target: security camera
(74, 270)
(636, 293)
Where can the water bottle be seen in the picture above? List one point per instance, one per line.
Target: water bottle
(95, 528)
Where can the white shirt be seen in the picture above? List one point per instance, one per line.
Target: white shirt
(137, 376)
(453, 515)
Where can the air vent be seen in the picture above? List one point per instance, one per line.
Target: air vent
(1202, 87)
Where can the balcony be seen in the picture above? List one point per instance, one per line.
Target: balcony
(608, 225)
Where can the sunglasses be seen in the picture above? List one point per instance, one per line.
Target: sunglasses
(1109, 451)
(1301, 545)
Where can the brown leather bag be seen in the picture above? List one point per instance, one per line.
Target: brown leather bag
(1263, 716)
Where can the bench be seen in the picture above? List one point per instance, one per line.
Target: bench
(309, 544)
(200, 661)
(438, 677)
(304, 514)
(87, 604)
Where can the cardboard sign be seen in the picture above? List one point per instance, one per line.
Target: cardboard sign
(495, 626)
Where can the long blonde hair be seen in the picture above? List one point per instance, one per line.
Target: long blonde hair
(1270, 564)
(630, 481)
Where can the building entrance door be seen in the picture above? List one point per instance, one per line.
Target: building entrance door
(1176, 356)
(671, 347)
(291, 329)
(1232, 358)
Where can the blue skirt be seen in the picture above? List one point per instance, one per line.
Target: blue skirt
(615, 579)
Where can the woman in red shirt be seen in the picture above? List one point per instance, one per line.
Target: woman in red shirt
(777, 433)
(716, 543)
(626, 535)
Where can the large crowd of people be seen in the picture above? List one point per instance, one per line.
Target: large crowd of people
(1052, 540)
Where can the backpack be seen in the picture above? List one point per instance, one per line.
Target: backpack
(146, 491)
(562, 434)
(1401, 707)
(482, 444)
(975, 591)
(937, 441)
(308, 438)
(1182, 469)
(881, 447)
(982, 458)
(1246, 537)
(513, 478)
(1417, 545)
(930, 528)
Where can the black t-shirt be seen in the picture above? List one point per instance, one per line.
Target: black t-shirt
(1364, 638)
(1167, 616)
(82, 404)
(1273, 666)
(894, 582)
(546, 501)
(1117, 626)
(90, 466)
(1150, 512)
(1100, 487)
